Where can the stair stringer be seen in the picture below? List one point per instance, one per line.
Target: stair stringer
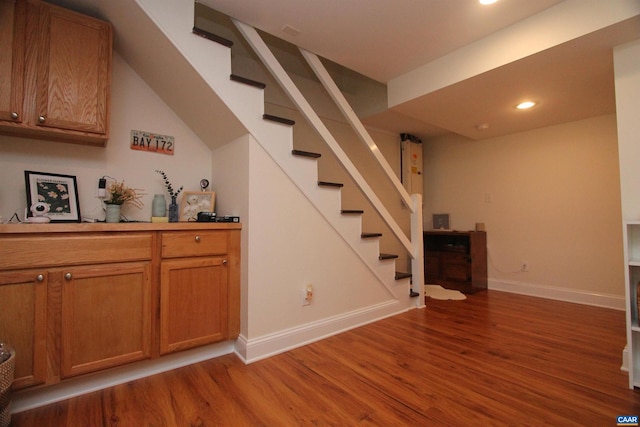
(175, 20)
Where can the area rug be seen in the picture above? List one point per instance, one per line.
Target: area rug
(438, 292)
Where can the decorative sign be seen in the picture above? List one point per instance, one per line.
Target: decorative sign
(146, 141)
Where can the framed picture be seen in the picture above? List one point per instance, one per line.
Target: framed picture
(194, 202)
(441, 221)
(60, 192)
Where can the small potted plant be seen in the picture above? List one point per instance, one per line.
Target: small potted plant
(173, 206)
(118, 194)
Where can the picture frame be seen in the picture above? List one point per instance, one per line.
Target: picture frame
(57, 190)
(440, 221)
(194, 202)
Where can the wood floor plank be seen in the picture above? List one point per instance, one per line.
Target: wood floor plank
(494, 359)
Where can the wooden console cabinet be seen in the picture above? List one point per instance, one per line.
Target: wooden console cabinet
(456, 259)
(79, 298)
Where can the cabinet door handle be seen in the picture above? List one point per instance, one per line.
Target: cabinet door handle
(41, 119)
(14, 115)
(68, 276)
(198, 239)
(224, 262)
(39, 277)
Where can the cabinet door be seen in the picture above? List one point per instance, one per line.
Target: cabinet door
(106, 316)
(193, 303)
(23, 314)
(12, 34)
(73, 71)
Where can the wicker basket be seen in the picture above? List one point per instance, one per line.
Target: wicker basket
(6, 378)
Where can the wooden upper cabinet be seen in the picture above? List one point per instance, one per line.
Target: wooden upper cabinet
(55, 76)
(12, 35)
(73, 70)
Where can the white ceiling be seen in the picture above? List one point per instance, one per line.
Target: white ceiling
(384, 39)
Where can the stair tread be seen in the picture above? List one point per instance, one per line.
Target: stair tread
(352, 211)
(367, 235)
(330, 184)
(213, 37)
(240, 79)
(402, 275)
(278, 119)
(305, 154)
(387, 256)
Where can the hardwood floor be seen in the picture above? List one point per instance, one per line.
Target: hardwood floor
(493, 359)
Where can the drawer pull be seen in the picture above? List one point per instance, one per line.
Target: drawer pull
(14, 115)
(198, 239)
(39, 277)
(42, 119)
(68, 276)
(224, 262)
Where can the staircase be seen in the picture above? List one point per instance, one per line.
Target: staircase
(245, 98)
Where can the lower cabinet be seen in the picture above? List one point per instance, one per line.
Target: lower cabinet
(23, 323)
(106, 316)
(193, 308)
(107, 296)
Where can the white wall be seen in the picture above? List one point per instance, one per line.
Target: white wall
(133, 106)
(627, 75)
(549, 197)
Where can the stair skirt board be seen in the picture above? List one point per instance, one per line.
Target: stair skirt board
(266, 346)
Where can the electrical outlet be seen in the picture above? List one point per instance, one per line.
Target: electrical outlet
(525, 267)
(101, 190)
(306, 295)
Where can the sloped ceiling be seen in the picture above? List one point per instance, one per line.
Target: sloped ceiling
(385, 39)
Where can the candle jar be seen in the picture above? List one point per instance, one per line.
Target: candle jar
(158, 206)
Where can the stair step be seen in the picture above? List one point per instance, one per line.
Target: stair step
(351, 211)
(402, 275)
(240, 79)
(370, 235)
(305, 154)
(330, 184)
(213, 37)
(387, 256)
(278, 119)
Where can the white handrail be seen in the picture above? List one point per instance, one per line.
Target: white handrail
(279, 73)
(350, 115)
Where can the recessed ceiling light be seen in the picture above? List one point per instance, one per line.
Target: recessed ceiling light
(525, 105)
(487, 1)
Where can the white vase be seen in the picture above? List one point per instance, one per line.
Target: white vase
(113, 213)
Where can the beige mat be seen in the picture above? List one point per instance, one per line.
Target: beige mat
(438, 292)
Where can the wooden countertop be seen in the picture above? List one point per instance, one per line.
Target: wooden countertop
(122, 226)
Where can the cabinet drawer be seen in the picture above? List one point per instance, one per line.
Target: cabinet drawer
(456, 267)
(56, 250)
(194, 243)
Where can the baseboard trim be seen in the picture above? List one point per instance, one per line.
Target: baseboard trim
(252, 350)
(562, 294)
(30, 399)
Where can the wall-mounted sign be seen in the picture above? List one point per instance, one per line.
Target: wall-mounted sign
(147, 141)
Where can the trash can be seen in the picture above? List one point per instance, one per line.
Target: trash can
(7, 367)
